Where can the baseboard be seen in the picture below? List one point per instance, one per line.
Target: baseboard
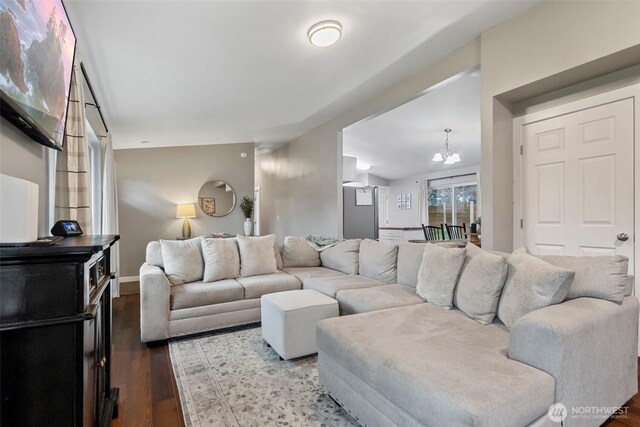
(126, 279)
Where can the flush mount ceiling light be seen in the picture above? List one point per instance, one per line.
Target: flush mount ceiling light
(447, 153)
(360, 165)
(325, 33)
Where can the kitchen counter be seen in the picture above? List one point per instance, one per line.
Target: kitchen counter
(401, 228)
(399, 234)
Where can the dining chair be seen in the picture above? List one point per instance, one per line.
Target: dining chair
(432, 232)
(457, 232)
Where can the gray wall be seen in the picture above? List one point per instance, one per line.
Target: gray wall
(24, 158)
(151, 181)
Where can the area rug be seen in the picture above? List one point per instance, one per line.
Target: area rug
(235, 379)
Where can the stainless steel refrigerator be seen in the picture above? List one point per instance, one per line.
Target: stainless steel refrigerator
(360, 212)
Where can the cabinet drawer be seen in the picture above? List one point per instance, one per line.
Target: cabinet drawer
(390, 234)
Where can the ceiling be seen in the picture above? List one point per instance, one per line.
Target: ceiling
(402, 142)
(209, 72)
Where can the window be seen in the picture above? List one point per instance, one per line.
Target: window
(453, 204)
(95, 178)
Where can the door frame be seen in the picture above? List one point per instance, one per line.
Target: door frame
(257, 192)
(633, 92)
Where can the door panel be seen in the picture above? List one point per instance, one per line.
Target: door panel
(578, 182)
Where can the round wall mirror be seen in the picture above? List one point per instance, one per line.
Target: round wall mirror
(216, 198)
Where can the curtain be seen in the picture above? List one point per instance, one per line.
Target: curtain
(110, 210)
(73, 188)
(423, 202)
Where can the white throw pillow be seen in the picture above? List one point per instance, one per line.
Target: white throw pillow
(378, 260)
(439, 273)
(257, 255)
(342, 257)
(154, 254)
(221, 259)
(182, 259)
(531, 284)
(480, 284)
(296, 252)
(277, 252)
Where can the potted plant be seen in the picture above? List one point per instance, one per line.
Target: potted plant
(246, 206)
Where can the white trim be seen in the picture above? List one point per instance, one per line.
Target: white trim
(127, 279)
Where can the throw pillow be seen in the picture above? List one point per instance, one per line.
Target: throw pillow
(439, 273)
(221, 259)
(603, 277)
(378, 260)
(182, 260)
(531, 284)
(297, 253)
(154, 254)
(342, 257)
(257, 255)
(409, 261)
(480, 284)
(277, 252)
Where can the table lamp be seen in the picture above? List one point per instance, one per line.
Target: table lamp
(186, 210)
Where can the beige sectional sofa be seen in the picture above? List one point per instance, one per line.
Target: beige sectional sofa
(394, 359)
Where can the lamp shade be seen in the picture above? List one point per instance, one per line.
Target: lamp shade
(186, 210)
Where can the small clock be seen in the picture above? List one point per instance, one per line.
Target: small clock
(66, 227)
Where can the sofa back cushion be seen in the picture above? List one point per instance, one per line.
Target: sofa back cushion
(296, 252)
(182, 259)
(439, 273)
(154, 254)
(221, 259)
(342, 257)
(531, 284)
(480, 284)
(257, 255)
(409, 260)
(378, 261)
(603, 277)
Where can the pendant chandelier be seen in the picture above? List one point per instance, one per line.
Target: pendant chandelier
(447, 153)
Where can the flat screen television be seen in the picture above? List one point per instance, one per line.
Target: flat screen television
(37, 47)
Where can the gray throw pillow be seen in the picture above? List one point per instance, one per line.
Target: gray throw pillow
(342, 257)
(531, 284)
(221, 259)
(480, 284)
(439, 273)
(378, 260)
(296, 252)
(182, 259)
(257, 255)
(603, 277)
(154, 254)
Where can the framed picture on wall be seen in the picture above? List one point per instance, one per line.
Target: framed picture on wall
(408, 204)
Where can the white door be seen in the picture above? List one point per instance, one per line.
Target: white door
(383, 206)
(578, 182)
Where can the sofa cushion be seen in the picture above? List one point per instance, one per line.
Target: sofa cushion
(197, 294)
(256, 286)
(378, 260)
(480, 284)
(221, 259)
(304, 273)
(439, 273)
(603, 277)
(182, 260)
(332, 284)
(355, 301)
(441, 367)
(531, 284)
(342, 257)
(409, 260)
(277, 251)
(296, 252)
(257, 255)
(154, 254)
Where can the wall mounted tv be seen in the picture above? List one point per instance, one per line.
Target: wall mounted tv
(37, 47)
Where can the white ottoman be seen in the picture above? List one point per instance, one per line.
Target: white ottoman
(289, 320)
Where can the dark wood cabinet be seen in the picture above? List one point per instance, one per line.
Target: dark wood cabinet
(55, 334)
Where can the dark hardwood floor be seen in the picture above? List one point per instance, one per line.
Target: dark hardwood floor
(148, 393)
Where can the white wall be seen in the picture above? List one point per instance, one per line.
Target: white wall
(302, 180)
(409, 217)
(552, 45)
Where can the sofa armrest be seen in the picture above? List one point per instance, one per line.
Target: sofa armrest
(590, 347)
(155, 291)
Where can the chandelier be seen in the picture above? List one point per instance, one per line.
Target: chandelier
(447, 153)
